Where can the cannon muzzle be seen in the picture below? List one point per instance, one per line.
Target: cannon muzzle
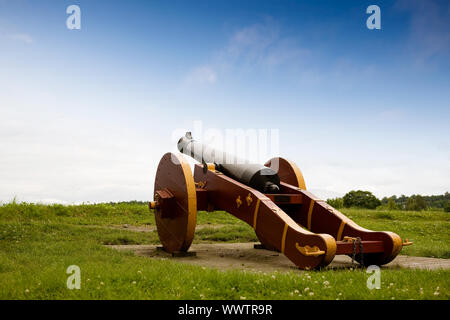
(256, 176)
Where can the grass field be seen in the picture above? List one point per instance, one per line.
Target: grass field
(39, 242)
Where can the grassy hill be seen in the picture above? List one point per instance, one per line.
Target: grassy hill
(39, 242)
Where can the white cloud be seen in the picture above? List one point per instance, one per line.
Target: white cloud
(252, 41)
(22, 37)
(258, 46)
(379, 176)
(201, 75)
(262, 44)
(48, 156)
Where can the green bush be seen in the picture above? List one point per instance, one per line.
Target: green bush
(391, 205)
(447, 207)
(60, 210)
(336, 203)
(416, 203)
(361, 199)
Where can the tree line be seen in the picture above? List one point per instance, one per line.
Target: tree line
(365, 199)
(416, 202)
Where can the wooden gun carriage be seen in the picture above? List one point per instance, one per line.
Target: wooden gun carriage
(272, 199)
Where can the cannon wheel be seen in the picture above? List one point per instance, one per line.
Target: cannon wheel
(288, 172)
(176, 225)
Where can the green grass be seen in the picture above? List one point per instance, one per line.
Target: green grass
(83, 214)
(428, 230)
(39, 242)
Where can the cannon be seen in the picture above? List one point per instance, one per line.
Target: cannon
(271, 198)
(257, 176)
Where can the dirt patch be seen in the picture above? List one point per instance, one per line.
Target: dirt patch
(153, 228)
(243, 256)
(134, 228)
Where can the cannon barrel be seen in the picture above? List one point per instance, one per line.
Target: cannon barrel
(256, 176)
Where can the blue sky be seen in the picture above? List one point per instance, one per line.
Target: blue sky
(87, 114)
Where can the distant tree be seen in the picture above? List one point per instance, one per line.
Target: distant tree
(391, 205)
(401, 201)
(447, 207)
(361, 199)
(433, 201)
(421, 203)
(336, 203)
(416, 203)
